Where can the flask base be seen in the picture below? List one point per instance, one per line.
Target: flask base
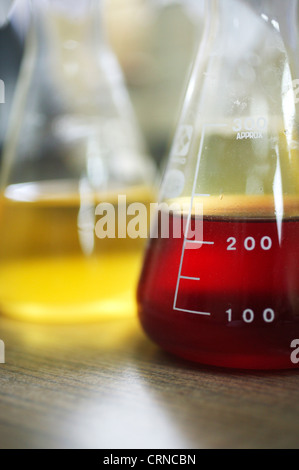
(220, 348)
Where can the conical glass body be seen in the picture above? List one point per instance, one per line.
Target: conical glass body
(73, 143)
(228, 295)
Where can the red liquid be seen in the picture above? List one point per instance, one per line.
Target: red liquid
(249, 284)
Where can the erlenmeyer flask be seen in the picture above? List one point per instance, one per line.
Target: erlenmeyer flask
(226, 292)
(73, 144)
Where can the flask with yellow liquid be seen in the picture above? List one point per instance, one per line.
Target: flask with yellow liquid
(72, 145)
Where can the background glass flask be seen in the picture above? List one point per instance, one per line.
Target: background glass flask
(73, 143)
(229, 295)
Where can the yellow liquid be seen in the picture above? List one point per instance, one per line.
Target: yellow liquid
(53, 268)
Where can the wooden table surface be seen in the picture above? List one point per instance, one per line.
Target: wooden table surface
(107, 386)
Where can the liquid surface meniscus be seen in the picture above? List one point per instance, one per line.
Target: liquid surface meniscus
(230, 301)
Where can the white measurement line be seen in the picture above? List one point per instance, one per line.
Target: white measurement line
(193, 311)
(190, 278)
(194, 183)
(194, 242)
(179, 275)
(193, 194)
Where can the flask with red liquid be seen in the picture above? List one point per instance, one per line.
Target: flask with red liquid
(220, 281)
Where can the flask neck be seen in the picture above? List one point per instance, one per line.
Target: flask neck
(73, 10)
(66, 24)
(257, 38)
(282, 16)
(244, 20)
(68, 46)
